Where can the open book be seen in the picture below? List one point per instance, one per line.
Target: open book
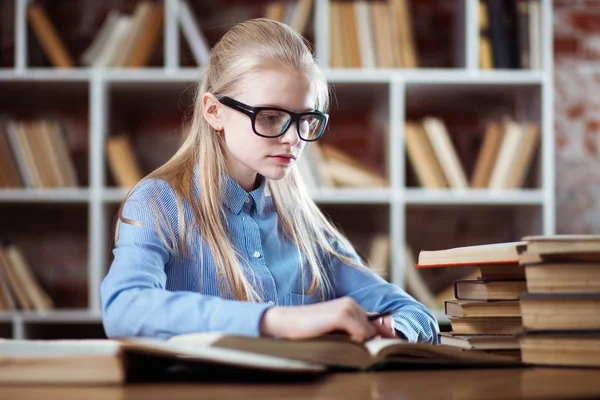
(114, 361)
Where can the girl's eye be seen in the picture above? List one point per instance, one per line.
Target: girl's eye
(270, 117)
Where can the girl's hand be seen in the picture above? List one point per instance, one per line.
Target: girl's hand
(385, 327)
(304, 322)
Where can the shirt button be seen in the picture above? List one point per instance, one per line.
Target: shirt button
(256, 254)
(270, 303)
(247, 200)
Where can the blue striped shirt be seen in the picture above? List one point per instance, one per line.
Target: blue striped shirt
(151, 292)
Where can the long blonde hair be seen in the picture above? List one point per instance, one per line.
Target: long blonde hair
(247, 46)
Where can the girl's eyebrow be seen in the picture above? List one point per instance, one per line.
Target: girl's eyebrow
(285, 108)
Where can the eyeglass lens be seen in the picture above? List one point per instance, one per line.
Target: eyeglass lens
(274, 122)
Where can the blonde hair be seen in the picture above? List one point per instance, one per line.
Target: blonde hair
(248, 46)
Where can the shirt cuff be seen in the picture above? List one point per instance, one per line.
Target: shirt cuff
(405, 331)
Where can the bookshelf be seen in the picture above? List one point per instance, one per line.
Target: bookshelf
(390, 96)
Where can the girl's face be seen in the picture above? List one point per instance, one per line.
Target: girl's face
(249, 154)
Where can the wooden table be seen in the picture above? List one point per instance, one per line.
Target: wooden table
(530, 383)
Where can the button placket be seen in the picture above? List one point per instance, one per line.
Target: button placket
(257, 258)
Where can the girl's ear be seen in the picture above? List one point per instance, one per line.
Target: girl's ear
(210, 110)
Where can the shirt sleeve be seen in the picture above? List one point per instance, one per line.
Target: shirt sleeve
(135, 301)
(374, 294)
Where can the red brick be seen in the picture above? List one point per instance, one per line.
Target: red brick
(588, 3)
(589, 141)
(591, 127)
(565, 3)
(566, 45)
(561, 142)
(590, 54)
(575, 111)
(590, 145)
(587, 21)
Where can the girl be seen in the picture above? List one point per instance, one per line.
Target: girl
(224, 236)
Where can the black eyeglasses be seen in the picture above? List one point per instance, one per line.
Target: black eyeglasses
(270, 122)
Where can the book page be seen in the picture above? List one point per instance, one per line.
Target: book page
(375, 346)
(10, 348)
(333, 349)
(205, 339)
(381, 349)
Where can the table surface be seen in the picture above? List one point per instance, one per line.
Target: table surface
(513, 383)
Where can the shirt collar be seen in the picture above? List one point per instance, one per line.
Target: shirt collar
(235, 198)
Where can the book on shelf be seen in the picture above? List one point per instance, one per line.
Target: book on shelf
(126, 41)
(107, 361)
(503, 162)
(510, 34)
(296, 14)
(48, 37)
(147, 38)
(38, 155)
(422, 157)
(486, 60)
(445, 152)
(346, 171)
(367, 34)
(315, 172)
(20, 288)
(10, 176)
(122, 161)
(503, 32)
(108, 41)
(328, 166)
(487, 155)
(515, 154)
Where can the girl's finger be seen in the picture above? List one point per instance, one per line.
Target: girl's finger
(358, 329)
(385, 327)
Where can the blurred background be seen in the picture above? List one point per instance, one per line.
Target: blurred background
(453, 123)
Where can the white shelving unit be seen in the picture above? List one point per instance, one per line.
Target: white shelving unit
(400, 84)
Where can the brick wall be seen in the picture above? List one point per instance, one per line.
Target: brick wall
(577, 114)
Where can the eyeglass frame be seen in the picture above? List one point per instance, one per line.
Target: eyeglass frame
(253, 111)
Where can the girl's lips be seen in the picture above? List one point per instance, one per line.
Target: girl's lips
(291, 157)
(284, 159)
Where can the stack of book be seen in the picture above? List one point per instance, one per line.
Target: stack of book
(561, 318)
(485, 313)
